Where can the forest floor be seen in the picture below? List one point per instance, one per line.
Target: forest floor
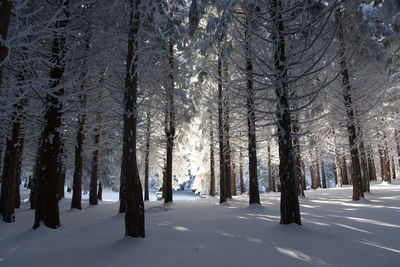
(336, 231)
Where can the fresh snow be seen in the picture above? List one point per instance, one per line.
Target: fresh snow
(199, 232)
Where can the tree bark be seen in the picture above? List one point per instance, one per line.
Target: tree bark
(147, 155)
(5, 13)
(170, 123)
(233, 176)
(77, 181)
(364, 168)
(95, 167)
(222, 177)
(323, 173)
(271, 180)
(134, 215)
(242, 190)
(290, 210)
(10, 168)
(317, 173)
(348, 103)
(212, 162)
(254, 196)
(344, 165)
(100, 192)
(393, 170)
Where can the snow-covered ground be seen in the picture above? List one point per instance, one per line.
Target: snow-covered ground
(199, 232)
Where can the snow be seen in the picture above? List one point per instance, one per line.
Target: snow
(336, 231)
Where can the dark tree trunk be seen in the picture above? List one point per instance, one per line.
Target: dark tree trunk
(95, 168)
(61, 172)
(227, 149)
(212, 162)
(317, 173)
(371, 165)
(290, 210)
(146, 158)
(296, 146)
(170, 124)
(100, 192)
(233, 176)
(312, 171)
(77, 182)
(338, 165)
(381, 160)
(20, 151)
(386, 162)
(222, 177)
(9, 183)
(5, 13)
(254, 196)
(364, 168)
(242, 190)
(397, 146)
(345, 176)
(323, 174)
(1, 156)
(393, 170)
(271, 179)
(49, 148)
(348, 103)
(134, 215)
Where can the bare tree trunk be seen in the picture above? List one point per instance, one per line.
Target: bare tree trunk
(5, 13)
(251, 121)
(312, 171)
(397, 145)
(371, 165)
(296, 145)
(271, 180)
(323, 173)
(386, 162)
(393, 170)
(147, 155)
(170, 124)
(222, 184)
(233, 176)
(290, 210)
(77, 181)
(61, 171)
(100, 192)
(212, 161)
(364, 168)
(50, 142)
(134, 215)
(348, 103)
(95, 166)
(345, 176)
(339, 172)
(317, 173)
(20, 151)
(242, 190)
(381, 160)
(9, 177)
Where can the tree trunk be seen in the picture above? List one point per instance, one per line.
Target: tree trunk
(61, 172)
(364, 168)
(147, 155)
(290, 210)
(393, 170)
(77, 182)
(371, 165)
(95, 168)
(251, 121)
(312, 171)
(323, 174)
(100, 192)
(9, 183)
(345, 176)
(212, 162)
(5, 13)
(134, 215)
(339, 171)
(397, 146)
(271, 180)
(242, 190)
(20, 151)
(296, 145)
(222, 177)
(317, 173)
(348, 103)
(233, 176)
(386, 162)
(49, 148)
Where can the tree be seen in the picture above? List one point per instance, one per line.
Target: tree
(134, 215)
(49, 147)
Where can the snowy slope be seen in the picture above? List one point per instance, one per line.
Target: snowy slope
(336, 232)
